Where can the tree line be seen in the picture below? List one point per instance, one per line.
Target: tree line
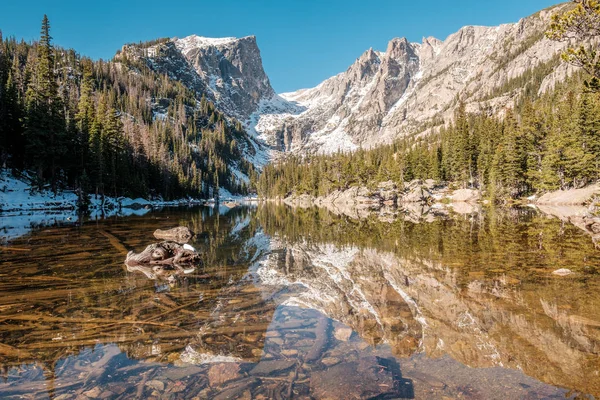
(111, 128)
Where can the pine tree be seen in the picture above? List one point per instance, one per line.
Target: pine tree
(532, 139)
(589, 137)
(85, 114)
(580, 24)
(45, 121)
(11, 139)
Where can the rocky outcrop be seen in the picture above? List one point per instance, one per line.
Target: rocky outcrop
(466, 196)
(389, 194)
(227, 71)
(571, 197)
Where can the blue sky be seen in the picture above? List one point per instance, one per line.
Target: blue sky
(302, 42)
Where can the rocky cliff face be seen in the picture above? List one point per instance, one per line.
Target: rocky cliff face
(228, 71)
(411, 87)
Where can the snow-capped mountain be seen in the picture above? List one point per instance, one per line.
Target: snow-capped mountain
(225, 71)
(228, 71)
(411, 87)
(408, 89)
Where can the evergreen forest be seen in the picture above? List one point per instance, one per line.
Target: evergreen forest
(112, 127)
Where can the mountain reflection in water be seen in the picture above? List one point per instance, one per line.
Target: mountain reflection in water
(305, 304)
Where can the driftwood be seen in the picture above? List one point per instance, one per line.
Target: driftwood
(181, 234)
(164, 253)
(163, 260)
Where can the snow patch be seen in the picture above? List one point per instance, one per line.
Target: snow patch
(192, 42)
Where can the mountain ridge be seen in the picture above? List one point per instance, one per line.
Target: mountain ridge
(381, 97)
(414, 84)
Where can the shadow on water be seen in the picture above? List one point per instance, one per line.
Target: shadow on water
(303, 304)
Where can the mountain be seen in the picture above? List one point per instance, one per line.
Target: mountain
(407, 89)
(122, 127)
(227, 71)
(412, 87)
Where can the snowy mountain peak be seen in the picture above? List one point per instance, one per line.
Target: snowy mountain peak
(384, 96)
(191, 42)
(381, 97)
(227, 71)
(194, 41)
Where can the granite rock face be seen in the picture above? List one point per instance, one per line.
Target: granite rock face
(228, 71)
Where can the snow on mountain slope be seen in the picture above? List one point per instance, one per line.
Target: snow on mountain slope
(192, 42)
(226, 71)
(387, 95)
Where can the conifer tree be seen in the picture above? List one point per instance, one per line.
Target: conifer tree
(589, 137)
(45, 122)
(581, 24)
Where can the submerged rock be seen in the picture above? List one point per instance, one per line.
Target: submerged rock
(562, 272)
(342, 333)
(156, 385)
(369, 377)
(221, 373)
(181, 234)
(265, 368)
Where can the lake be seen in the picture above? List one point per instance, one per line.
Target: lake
(304, 304)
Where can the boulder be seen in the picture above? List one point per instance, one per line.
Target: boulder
(416, 194)
(466, 195)
(571, 196)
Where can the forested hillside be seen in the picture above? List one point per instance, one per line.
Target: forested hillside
(113, 128)
(545, 143)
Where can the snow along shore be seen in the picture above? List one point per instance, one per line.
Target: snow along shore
(22, 209)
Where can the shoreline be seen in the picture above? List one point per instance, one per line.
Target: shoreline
(22, 210)
(17, 196)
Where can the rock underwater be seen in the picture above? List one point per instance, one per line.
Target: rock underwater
(180, 234)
